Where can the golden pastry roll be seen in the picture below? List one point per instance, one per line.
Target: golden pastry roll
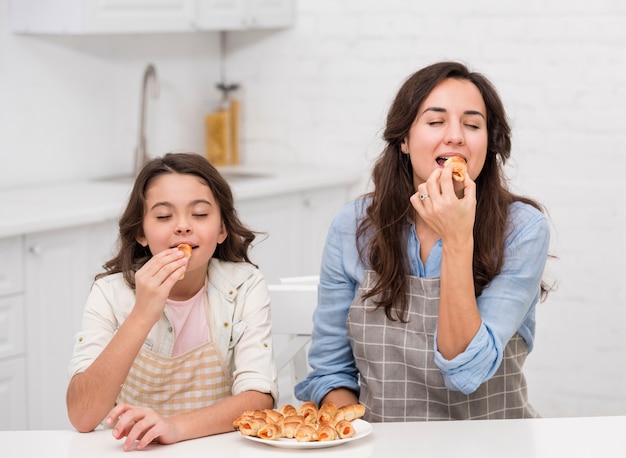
(288, 410)
(289, 429)
(305, 433)
(326, 433)
(349, 412)
(270, 431)
(327, 413)
(250, 426)
(345, 429)
(186, 249)
(309, 411)
(294, 419)
(272, 416)
(459, 167)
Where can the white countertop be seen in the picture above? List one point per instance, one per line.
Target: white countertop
(537, 438)
(34, 209)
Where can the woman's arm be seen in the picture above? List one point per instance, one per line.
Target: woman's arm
(507, 305)
(330, 355)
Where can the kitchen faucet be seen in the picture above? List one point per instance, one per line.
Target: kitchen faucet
(141, 155)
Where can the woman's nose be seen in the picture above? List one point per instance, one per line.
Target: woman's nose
(454, 135)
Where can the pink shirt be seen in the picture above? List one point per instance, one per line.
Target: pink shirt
(191, 328)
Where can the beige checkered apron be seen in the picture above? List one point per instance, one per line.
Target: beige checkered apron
(179, 384)
(398, 376)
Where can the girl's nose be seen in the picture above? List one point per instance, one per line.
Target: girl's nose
(183, 227)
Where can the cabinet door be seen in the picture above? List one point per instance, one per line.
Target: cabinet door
(11, 326)
(244, 14)
(278, 218)
(11, 265)
(296, 226)
(101, 16)
(60, 267)
(115, 16)
(12, 395)
(270, 13)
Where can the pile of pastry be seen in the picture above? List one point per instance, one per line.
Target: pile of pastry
(304, 424)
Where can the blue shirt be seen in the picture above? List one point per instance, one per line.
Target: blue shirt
(506, 305)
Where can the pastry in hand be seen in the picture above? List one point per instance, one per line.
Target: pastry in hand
(459, 167)
(186, 249)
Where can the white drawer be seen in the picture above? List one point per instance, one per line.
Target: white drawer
(11, 265)
(11, 326)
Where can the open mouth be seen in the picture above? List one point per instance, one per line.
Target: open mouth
(441, 160)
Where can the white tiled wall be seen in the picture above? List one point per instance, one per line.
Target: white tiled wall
(319, 93)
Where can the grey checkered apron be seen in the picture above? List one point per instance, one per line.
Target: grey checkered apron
(398, 376)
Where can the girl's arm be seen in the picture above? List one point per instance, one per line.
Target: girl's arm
(92, 393)
(145, 425)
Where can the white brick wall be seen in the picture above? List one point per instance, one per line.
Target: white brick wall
(319, 92)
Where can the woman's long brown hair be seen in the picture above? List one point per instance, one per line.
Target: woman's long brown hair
(389, 210)
(132, 256)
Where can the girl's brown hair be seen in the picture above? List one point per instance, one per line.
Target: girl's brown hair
(386, 216)
(132, 255)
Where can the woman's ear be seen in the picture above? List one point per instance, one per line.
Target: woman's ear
(404, 146)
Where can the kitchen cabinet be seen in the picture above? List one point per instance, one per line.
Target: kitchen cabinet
(293, 227)
(12, 338)
(147, 16)
(244, 14)
(60, 266)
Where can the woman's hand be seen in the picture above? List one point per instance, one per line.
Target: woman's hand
(140, 424)
(155, 280)
(450, 216)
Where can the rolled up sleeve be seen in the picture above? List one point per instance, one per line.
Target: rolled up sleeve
(507, 304)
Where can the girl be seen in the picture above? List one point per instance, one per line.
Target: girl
(428, 285)
(173, 349)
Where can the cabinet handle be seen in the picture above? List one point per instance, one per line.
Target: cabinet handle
(36, 250)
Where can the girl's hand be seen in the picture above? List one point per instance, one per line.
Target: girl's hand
(140, 424)
(155, 280)
(450, 216)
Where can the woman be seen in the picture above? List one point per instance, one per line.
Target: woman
(428, 285)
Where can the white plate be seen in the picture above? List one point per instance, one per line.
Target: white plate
(361, 427)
